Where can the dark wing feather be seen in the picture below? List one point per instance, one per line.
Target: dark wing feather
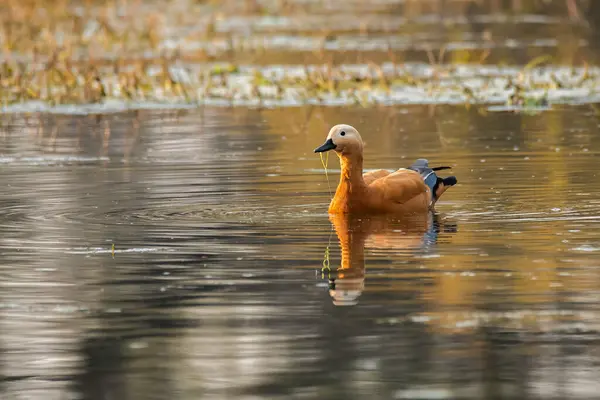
(429, 177)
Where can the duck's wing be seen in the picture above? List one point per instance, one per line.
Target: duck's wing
(436, 184)
(400, 186)
(372, 176)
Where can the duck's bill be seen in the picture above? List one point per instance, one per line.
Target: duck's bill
(328, 145)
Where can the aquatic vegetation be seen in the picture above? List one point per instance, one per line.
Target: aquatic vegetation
(24, 86)
(59, 56)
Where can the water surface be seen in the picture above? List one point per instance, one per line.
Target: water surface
(215, 289)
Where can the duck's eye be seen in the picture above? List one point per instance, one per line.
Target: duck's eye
(343, 133)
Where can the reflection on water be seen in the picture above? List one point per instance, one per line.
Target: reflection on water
(219, 225)
(408, 236)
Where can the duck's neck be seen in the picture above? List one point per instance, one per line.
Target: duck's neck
(351, 178)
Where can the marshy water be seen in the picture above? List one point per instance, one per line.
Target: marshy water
(184, 251)
(215, 288)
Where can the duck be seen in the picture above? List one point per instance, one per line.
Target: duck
(414, 189)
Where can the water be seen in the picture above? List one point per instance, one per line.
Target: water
(185, 254)
(215, 287)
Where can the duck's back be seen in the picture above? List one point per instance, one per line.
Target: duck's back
(372, 176)
(404, 188)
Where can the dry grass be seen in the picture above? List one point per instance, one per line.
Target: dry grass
(85, 52)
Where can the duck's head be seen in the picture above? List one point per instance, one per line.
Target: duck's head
(344, 139)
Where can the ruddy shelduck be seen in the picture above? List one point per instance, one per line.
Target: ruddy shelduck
(408, 190)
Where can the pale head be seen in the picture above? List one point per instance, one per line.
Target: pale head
(344, 139)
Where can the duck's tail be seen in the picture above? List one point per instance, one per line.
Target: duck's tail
(436, 184)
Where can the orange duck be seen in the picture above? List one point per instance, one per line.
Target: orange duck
(408, 190)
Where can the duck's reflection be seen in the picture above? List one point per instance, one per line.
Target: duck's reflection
(417, 234)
